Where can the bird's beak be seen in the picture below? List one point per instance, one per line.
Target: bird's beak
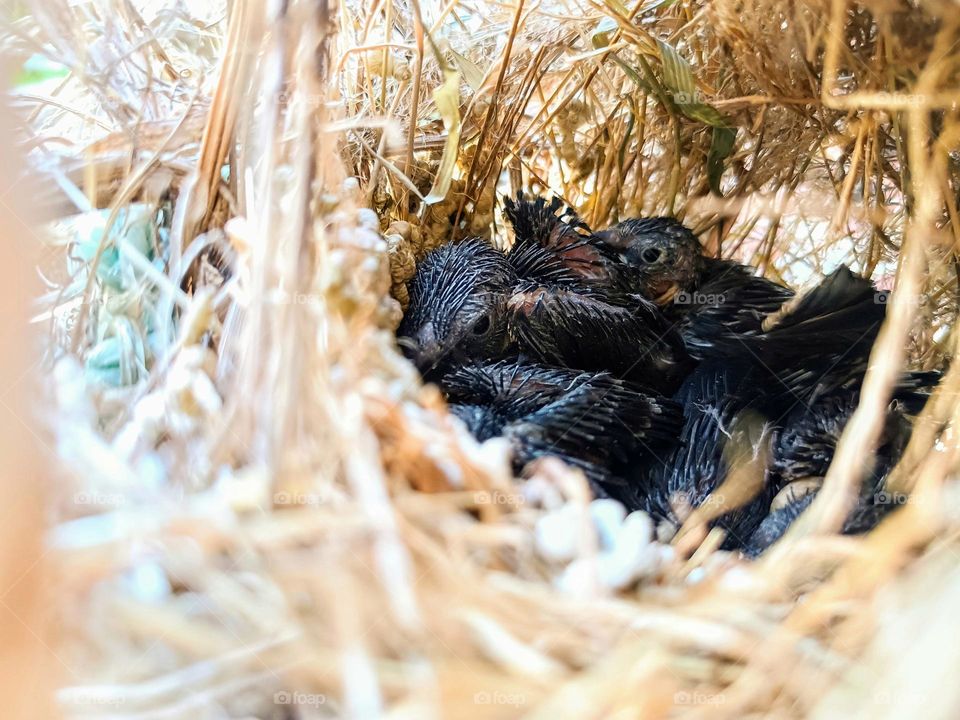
(425, 350)
(608, 238)
(665, 294)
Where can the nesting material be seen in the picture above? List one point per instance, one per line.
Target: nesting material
(261, 511)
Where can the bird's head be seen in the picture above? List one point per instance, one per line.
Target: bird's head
(457, 305)
(664, 256)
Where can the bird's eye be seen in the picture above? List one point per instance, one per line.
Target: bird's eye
(481, 326)
(651, 255)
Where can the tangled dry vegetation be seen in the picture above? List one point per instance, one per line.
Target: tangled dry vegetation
(259, 510)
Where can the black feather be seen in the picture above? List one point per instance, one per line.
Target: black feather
(839, 317)
(725, 309)
(697, 465)
(587, 332)
(591, 420)
(557, 230)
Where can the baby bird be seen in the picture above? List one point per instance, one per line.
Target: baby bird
(804, 449)
(572, 304)
(554, 298)
(722, 308)
(718, 465)
(798, 380)
(458, 306)
(714, 301)
(724, 311)
(592, 421)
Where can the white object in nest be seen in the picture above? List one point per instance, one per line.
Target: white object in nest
(367, 218)
(557, 533)
(626, 551)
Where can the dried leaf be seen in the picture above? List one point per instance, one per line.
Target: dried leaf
(447, 99)
(471, 71)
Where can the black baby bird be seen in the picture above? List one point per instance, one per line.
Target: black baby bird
(572, 305)
(805, 446)
(556, 297)
(796, 378)
(721, 436)
(458, 306)
(715, 302)
(592, 421)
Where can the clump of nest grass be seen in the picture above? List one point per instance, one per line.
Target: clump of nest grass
(261, 511)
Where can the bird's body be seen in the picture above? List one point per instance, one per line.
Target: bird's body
(554, 298)
(805, 446)
(593, 421)
(725, 308)
(770, 369)
(567, 343)
(718, 426)
(715, 303)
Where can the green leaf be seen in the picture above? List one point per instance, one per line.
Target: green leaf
(600, 37)
(678, 77)
(706, 114)
(677, 74)
(720, 148)
(632, 73)
(38, 69)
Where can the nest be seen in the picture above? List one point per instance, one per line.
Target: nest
(263, 512)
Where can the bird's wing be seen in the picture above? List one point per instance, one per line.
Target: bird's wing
(842, 314)
(727, 309)
(567, 328)
(703, 459)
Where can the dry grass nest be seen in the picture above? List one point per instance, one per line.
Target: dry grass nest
(261, 511)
